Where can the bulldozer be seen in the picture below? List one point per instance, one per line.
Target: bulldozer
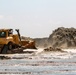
(10, 41)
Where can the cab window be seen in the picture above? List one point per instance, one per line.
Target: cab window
(2, 34)
(10, 32)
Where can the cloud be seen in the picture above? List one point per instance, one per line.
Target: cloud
(54, 22)
(9, 17)
(5, 18)
(1, 16)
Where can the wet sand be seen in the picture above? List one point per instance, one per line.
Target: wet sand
(40, 63)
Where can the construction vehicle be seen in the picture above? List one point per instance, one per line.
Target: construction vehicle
(10, 41)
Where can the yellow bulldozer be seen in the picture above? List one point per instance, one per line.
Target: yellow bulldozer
(10, 41)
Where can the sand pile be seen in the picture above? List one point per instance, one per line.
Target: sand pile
(61, 38)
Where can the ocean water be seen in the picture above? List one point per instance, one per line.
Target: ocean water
(48, 63)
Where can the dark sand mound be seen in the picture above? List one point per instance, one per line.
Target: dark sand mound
(61, 38)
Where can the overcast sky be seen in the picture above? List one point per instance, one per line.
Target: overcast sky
(37, 18)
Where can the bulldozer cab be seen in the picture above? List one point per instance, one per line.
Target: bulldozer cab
(7, 36)
(5, 33)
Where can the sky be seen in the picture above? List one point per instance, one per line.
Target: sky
(37, 18)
